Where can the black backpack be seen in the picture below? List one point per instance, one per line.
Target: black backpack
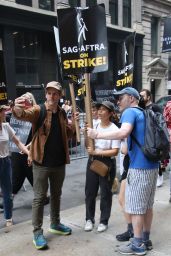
(156, 141)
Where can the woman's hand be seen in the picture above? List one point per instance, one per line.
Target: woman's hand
(92, 133)
(28, 146)
(19, 102)
(75, 116)
(91, 151)
(29, 160)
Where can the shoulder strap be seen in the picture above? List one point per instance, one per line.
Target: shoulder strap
(139, 108)
(133, 137)
(42, 116)
(97, 126)
(63, 113)
(136, 141)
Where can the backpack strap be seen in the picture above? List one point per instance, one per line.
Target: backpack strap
(42, 116)
(63, 113)
(136, 141)
(133, 137)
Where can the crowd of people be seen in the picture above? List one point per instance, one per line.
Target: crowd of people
(137, 194)
(43, 163)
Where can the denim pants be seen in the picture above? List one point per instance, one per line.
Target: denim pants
(6, 186)
(42, 178)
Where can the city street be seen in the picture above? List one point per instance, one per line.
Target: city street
(72, 196)
(17, 241)
(73, 193)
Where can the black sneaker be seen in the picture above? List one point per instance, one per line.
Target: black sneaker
(124, 236)
(170, 200)
(148, 244)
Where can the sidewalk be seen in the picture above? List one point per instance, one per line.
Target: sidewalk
(17, 241)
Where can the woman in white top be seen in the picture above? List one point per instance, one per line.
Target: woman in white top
(104, 151)
(6, 134)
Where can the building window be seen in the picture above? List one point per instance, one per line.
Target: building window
(113, 10)
(169, 69)
(154, 35)
(24, 2)
(35, 57)
(46, 5)
(91, 2)
(26, 57)
(74, 3)
(127, 13)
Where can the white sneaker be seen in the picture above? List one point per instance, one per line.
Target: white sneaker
(88, 225)
(102, 227)
(159, 181)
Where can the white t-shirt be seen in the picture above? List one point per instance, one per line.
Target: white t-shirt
(96, 122)
(102, 144)
(6, 134)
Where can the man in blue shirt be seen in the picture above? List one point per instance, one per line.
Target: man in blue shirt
(142, 173)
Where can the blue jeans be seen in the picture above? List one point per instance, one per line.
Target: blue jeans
(6, 186)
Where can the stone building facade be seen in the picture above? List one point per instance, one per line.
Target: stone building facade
(155, 63)
(27, 47)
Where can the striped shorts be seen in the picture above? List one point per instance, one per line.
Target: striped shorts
(140, 190)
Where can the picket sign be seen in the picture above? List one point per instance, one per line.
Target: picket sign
(87, 101)
(71, 87)
(81, 47)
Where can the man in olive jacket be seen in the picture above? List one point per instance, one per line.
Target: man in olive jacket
(49, 154)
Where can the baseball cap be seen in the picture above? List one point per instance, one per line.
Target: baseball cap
(95, 104)
(108, 105)
(130, 91)
(55, 85)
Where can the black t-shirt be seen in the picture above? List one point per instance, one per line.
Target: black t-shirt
(54, 152)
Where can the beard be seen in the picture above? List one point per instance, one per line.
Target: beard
(142, 103)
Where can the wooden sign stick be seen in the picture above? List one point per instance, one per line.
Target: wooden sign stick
(71, 87)
(87, 100)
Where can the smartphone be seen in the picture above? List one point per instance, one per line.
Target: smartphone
(28, 103)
